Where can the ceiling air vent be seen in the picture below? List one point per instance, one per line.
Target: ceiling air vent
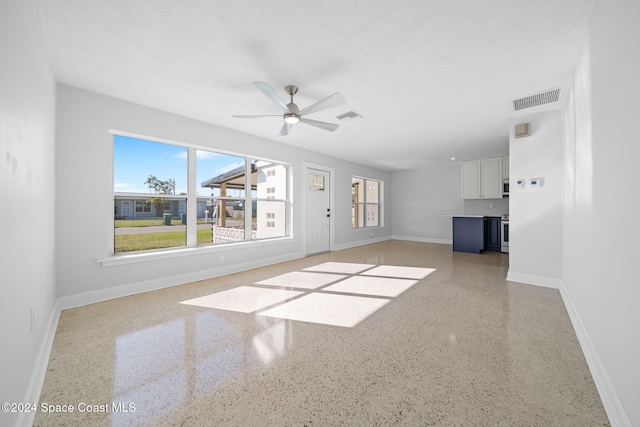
(349, 115)
(540, 98)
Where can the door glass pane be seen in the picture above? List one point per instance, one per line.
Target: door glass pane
(316, 182)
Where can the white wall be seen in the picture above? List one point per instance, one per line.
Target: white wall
(27, 197)
(84, 184)
(535, 214)
(601, 254)
(421, 200)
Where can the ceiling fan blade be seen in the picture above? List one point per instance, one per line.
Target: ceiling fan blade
(322, 125)
(279, 116)
(286, 128)
(328, 102)
(272, 95)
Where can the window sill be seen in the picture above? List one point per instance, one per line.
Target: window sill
(366, 229)
(135, 258)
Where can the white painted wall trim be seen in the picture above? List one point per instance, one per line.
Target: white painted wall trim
(36, 383)
(93, 297)
(423, 239)
(39, 371)
(530, 279)
(611, 401)
(362, 242)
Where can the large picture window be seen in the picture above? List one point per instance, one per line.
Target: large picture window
(230, 198)
(366, 207)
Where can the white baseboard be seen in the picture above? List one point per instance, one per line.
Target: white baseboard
(100, 295)
(42, 360)
(39, 371)
(610, 400)
(423, 239)
(360, 243)
(530, 279)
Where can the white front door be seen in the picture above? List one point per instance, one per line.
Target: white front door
(318, 211)
(126, 207)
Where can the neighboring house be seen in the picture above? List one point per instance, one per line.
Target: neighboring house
(133, 205)
(268, 194)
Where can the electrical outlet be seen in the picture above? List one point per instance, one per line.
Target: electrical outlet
(490, 205)
(222, 260)
(371, 235)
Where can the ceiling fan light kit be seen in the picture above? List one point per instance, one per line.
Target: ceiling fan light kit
(291, 114)
(292, 118)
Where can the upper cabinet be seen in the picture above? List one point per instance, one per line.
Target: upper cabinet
(505, 167)
(471, 178)
(482, 179)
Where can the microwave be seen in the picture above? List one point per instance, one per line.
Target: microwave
(505, 187)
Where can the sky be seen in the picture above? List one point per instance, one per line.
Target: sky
(135, 159)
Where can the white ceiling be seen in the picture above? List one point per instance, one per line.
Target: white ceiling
(432, 78)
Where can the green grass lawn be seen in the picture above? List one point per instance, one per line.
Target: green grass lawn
(146, 241)
(120, 223)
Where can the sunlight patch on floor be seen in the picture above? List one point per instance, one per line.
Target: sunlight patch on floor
(378, 286)
(340, 267)
(321, 297)
(301, 279)
(336, 310)
(245, 299)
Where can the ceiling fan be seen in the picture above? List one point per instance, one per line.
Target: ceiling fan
(291, 114)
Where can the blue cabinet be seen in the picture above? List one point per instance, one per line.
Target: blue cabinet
(468, 234)
(492, 234)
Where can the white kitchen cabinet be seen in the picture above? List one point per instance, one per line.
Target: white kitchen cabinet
(505, 167)
(492, 178)
(482, 179)
(471, 178)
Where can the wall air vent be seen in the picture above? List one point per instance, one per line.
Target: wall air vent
(523, 130)
(540, 98)
(349, 115)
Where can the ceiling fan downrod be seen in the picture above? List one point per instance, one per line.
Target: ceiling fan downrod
(292, 118)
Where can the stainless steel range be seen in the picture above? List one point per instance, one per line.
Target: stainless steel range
(504, 233)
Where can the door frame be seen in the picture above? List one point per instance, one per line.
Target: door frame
(307, 166)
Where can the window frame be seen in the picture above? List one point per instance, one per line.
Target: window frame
(192, 198)
(146, 206)
(270, 198)
(365, 203)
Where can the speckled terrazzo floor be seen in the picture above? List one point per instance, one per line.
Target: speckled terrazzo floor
(456, 346)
